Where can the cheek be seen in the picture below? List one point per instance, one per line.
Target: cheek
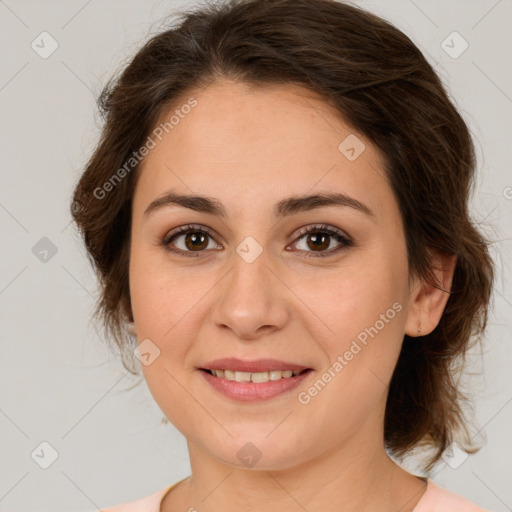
(352, 299)
(168, 305)
(366, 316)
(362, 313)
(160, 294)
(160, 302)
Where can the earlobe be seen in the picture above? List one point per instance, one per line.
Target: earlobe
(428, 303)
(130, 327)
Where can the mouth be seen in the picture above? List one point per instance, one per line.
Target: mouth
(255, 377)
(256, 380)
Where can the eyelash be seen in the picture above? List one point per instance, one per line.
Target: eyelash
(339, 235)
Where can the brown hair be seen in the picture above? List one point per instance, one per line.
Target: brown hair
(383, 86)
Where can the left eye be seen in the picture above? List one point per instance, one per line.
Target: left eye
(317, 238)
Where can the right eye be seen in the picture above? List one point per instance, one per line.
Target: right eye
(192, 239)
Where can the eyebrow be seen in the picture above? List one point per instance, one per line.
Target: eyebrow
(283, 208)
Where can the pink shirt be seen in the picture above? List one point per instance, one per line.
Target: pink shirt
(435, 499)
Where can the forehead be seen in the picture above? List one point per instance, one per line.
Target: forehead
(246, 144)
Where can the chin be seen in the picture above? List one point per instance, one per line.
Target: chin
(258, 451)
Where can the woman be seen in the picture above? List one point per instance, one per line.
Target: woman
(277, 211)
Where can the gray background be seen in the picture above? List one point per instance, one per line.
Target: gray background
(58, 382)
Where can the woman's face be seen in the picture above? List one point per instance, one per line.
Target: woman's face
(251, 291)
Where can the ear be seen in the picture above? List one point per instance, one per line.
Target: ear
(427, 302)
(130, 327)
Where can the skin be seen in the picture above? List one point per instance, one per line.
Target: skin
(279, 141)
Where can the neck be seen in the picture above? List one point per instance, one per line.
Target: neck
(352, 477)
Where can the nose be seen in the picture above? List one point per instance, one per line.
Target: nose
(251, 300)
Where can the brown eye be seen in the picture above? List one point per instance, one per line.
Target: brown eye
(318, 239)
(188, 241)
(195, 241)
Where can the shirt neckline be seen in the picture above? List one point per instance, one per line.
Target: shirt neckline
(167, 491)
(427, 481)
(428, 487)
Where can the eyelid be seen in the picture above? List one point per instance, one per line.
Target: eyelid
(345, 239)
(332, 231)
(185, 229)
(309, 228)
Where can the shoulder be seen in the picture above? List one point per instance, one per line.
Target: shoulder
(438, 499)
(149, 503)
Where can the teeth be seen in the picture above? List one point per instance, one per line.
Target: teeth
(242, 376)
(256, 377)
(259, 377)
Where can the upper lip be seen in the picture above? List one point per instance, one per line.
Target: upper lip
(254, 366)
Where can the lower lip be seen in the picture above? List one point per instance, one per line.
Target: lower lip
(251, 391)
